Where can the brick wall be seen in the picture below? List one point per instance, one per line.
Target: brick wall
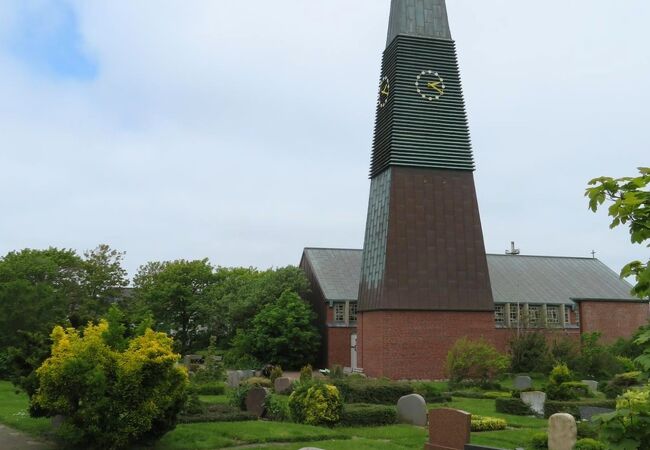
(338, 350)
(612, 319)
(414, 344)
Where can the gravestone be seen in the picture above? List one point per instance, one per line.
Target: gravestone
(255, 400)
(587, 412)
(523, 382)
(535, 400)
(449, 429)
(591, 384)
(412, 409)
(562, 432)
(282, 385)
(233, 378)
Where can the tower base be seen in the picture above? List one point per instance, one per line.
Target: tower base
(413, 345)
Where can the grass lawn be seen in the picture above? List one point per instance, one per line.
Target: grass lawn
(13, 412)
(289, 436)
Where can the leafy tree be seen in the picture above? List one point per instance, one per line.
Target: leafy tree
(104, 276)
(178, 294)
(529, 353)
(630, 205)
(475, 361)
(110, 399)
(281, 333)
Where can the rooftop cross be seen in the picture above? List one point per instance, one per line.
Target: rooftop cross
(425, 18)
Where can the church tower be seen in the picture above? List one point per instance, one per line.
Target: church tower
(424, 276)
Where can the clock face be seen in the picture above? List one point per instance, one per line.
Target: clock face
(430, 85)
(384, 92)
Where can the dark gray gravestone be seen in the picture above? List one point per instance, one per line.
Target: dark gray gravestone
(587, 412)
(282, 385)
(523, 382)
(255, 401)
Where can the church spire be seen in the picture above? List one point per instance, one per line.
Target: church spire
(424, 18)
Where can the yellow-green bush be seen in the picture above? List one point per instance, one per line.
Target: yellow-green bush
(109, 398)
(315, 403)
(258, 381)
(481, 423)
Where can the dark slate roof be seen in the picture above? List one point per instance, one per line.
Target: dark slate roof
(423, 18)
(525, 279)
(337, 270)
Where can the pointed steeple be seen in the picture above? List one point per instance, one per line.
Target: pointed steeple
(424, 18)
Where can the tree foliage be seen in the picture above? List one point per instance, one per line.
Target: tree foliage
(629, 200)
(109, 398)
(281, 333)
(476, 361)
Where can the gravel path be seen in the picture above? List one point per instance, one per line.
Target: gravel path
(11, 439)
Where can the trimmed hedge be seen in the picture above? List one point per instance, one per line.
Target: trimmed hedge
(481, 395)
(552, 407)
(217, 413)
(512, 406)
(430, 392)
(212, 388)
(481, 423)
(366, 415)
(539, 441)
(589, 444)
(379, 392)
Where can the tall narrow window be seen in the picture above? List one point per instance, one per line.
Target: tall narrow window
(353, 312)
(533, 314)
(500, 314)
(567, 316)
(339, 312)
(553, 313)
(514, 314)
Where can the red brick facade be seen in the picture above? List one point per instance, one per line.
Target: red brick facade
(613, 319)
(414, 344)
(338, 346)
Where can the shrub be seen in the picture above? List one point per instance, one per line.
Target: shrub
(306, 373)
(277, 407)
(480, 394)
(589, 444)
(276, 372)
(626, 363)
(217, 413)
(237, 360)
(481, 423)
(4, 365)
(560, 386)
(539, 441)
(474, 360)
(372, 391)
(529, 353)
(629, 426)
(587, 430)
(238, 396)
(512, 406)
(573, 407)
(620, 383)
(565, 351)
(597, 361)
(192, 405)
(365, 415)
(430, 392)
(316, 404)
(110, 398)
(213, 388)
(560, 374)
(258, 381)
(337, 372)
(212, 370)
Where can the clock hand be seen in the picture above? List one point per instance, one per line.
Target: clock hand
(435, 85)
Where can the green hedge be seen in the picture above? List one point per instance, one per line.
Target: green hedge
(621, 383)
(552, 407)
(430, 392)
(512, 406)
(589, 444)
(480, 423)
(212, 388)
(381, 392)
(481, 395)
(217, 413)
(365, 415)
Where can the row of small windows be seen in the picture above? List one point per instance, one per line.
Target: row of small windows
(514, 315)
(339, 312)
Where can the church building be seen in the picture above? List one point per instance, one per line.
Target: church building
(423, 279)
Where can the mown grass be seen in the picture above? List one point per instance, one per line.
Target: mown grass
(289, 436)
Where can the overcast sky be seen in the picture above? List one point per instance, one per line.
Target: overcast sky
(241, 131)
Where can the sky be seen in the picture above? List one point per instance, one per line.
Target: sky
(242, 131)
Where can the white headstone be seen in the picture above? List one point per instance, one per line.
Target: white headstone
(233, 379)
(535, 400)
(412, 409)
(562, 432)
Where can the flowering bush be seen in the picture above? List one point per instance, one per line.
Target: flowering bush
(110, 398)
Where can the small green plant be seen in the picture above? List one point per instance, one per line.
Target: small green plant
(258, 381)
(306, 373)
(277, 407)
(337, 372)
(238, 396)
(539, 441)
(589, 444)
(276, 372)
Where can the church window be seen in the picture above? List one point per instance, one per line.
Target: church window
(500, 314)
(514, 314)
(567, 316)
(339, 312)
(533, 314)
(553, 313)
(353, 312)
(577, 313)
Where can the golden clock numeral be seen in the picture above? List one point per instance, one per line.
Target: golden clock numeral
(385, 91)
